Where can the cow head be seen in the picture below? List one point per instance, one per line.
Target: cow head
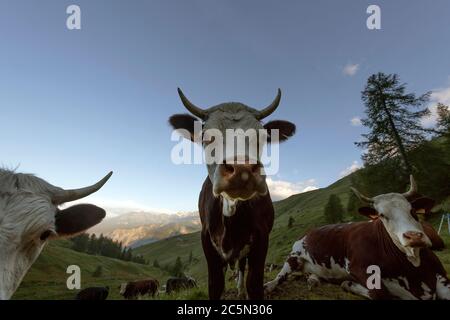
(237, 175)
(192, 283)
(398, 214)
(29, 217)
(123, 288)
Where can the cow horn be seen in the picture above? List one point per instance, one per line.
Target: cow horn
(196, 111)
(412, 189)
(63, 196)
(271, 108)
(361, 196)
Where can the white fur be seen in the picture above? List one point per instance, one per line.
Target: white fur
(26, 211)
(442, 288)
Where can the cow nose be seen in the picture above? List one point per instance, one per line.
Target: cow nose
(413, 235)
(242, 172)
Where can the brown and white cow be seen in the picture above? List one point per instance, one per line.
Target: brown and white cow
(137, 289)
(235, 206)
(393, 242)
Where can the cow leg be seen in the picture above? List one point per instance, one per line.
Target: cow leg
(356, 288)
(256, 262)
(442, 287)
(216, 266)
(293, 263)
(313, 281)
(240, 281)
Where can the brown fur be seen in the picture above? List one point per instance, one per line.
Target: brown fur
(251, 224)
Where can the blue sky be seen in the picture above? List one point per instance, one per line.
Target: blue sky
(76, 104)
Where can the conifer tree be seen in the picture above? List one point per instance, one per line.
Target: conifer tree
(394, 125)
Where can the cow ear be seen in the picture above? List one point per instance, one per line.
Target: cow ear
(425, 204)
(368, 212)
(184, 125)
(76, 219)
(285, 129)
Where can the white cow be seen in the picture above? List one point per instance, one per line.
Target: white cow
(29, 216)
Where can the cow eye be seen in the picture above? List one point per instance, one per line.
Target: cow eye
(44, 235)
(382, 216)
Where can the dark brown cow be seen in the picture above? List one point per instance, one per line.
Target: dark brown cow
(234, 204)
(135, 289)
(385, 258)
(93, 293)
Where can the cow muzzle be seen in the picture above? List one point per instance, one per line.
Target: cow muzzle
(416, 239)
(240, 181)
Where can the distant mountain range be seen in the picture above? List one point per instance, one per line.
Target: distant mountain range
(139, 228)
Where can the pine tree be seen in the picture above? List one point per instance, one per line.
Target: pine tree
(394, 128)
(190, 257)
(177, 270)
(334, 211)
(443, 122)
(156, 263)
(291, 222)
(98, 272)
(353, 204)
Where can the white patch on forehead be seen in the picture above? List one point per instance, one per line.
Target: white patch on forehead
(386, 202)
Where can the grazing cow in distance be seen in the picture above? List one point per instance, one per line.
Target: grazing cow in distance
(30, 216)
(136, 289)
(235, 207)
(175, 284)
(93, 293)
(393, 244)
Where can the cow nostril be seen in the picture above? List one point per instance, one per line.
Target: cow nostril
(228, 168)
(413, 235)
(255, 168)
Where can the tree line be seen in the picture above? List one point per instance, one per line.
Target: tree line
(104, 246)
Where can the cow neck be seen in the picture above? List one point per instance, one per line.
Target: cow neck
(230, 234)
(393, 247)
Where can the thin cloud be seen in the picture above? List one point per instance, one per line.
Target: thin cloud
(280, 189)
(115, 208)
(441, 95)
(356, 121)
(350, 69)
(350, 169)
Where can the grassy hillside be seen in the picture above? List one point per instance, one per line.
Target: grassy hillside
(47, 277)
(307, 210)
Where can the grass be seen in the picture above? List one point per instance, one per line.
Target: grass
(47, 277)
(306, 209)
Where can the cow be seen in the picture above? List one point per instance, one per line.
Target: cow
(235, 207)
(437, 243)
(93, 293)
(137, 289)
(175, 284)
(30, 216)
(392, 247)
